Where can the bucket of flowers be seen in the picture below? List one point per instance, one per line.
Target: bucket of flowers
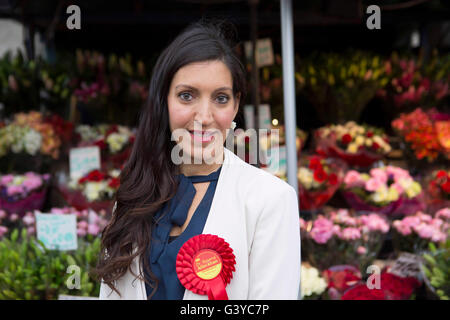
(355, 144)
(30, 141)
(319, 179)
(342, 238)
(312, 284)
(23, 192)
(387, 190)
(425, 135)
(414, 233)
(95, 190)
(115, 142)
(438, 190)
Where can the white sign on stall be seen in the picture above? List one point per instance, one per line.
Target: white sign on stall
(264, 52)
(57, 231)
(83, 160)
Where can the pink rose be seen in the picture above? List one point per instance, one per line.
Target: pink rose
(321, 236)
(2, 214)
(353, 179)
(28, 219)
(379, 174)
(12, 190)
(81, 232)
(31, 230)
(361, 250)
(13, 217)
(402, 228)
(424, 231)
(350, 234)
(82, 225)
(32, 183)
(93, 229)
(439, 237)
(374, 184)
(3, 230)
(6, 179)
(443, 213)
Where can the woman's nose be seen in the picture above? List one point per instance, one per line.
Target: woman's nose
(204, 112)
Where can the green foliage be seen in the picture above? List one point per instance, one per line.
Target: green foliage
(437, 268)
(30, 271)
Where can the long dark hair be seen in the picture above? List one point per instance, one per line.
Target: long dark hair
(147, 180)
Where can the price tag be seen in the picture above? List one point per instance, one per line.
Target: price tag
(83, 160)
(56, 231)
(264, 52)
(407, 265)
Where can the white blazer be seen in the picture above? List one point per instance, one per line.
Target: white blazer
(257, 214)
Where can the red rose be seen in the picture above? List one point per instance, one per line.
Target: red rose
(446, 186)
(315, 164)
(441, 174)
(398, 288)
(100, 143)
(320, 175)
(375, 146)
(114, 183)
(369, 134)
(346, 138)
(113, 129)
(362, 292)
(95, 175)
(342, 279)
(332, 178)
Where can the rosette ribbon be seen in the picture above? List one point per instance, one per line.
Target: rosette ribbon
(205, 265)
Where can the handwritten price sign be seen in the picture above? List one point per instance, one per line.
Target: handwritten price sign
(83, 160)
(57, 232)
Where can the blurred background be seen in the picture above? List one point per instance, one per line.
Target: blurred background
(372, 137)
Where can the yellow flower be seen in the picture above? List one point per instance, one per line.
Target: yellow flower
(392, 194)
(352, 148)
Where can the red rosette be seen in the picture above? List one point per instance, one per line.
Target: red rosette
(205, 265)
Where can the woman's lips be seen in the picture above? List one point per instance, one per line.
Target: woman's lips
(202, 136)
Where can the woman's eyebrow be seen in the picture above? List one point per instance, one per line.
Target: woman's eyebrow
(195, 89)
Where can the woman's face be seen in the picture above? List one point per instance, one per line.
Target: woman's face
(201, 107)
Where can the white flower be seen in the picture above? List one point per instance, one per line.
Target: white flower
(93, 189)
(116, 141)
(311, 282)
(32, 142)
(306, 177)
(115, 173)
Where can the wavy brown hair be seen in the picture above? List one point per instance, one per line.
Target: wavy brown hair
(147, 180)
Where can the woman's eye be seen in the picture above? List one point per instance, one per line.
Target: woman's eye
(222, 99)
(185, 96)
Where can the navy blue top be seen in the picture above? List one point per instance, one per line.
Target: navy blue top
(164, 248)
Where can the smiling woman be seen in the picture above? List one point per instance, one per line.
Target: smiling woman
(245, 218)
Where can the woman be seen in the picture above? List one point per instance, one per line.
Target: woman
(180, 181)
